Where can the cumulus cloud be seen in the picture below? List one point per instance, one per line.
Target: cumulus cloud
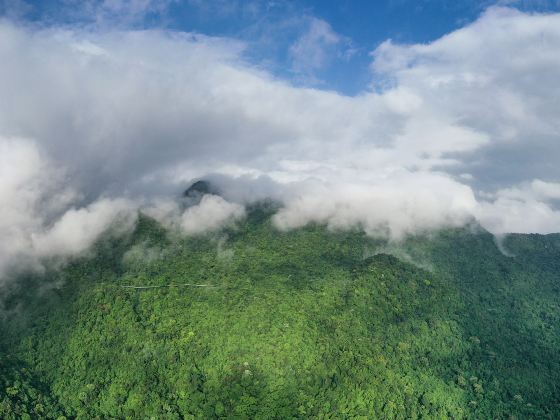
(26, 185)
(206, 213)
(526, 208)
(496, 77)
(95, 123)
(77, 229)
(211, 213)
(35, 218)
(402, 204)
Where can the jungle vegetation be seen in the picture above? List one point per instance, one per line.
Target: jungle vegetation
(307, 323)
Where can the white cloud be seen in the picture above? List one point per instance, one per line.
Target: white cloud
(402, 204)
(27, 186)
(524, 208)
(210, 214)
(506, 215)
(495, 75)
(36, 219)
(467, 126)
(77, 229)
(546, 190)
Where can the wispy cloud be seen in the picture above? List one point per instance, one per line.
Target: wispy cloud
(316, 47)
(97, 13)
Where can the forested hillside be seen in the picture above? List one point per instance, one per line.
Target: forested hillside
(251, 322)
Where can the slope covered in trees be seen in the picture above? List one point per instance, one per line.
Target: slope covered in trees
(306, 323)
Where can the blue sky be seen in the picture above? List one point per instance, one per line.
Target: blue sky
(335, 38)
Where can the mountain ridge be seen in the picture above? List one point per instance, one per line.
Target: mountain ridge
(303, 323)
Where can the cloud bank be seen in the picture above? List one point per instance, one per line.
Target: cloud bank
(95, 124)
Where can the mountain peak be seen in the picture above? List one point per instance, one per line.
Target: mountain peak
(199, 188)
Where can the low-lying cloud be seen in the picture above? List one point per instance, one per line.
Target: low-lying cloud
(210, 214)
(96, 124)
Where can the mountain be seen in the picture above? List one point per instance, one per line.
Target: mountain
(251, 322)
(194, 193)
(199, 188)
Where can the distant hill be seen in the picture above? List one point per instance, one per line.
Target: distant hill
(255, 323)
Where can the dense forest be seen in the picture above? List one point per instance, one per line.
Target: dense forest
(250, 322)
